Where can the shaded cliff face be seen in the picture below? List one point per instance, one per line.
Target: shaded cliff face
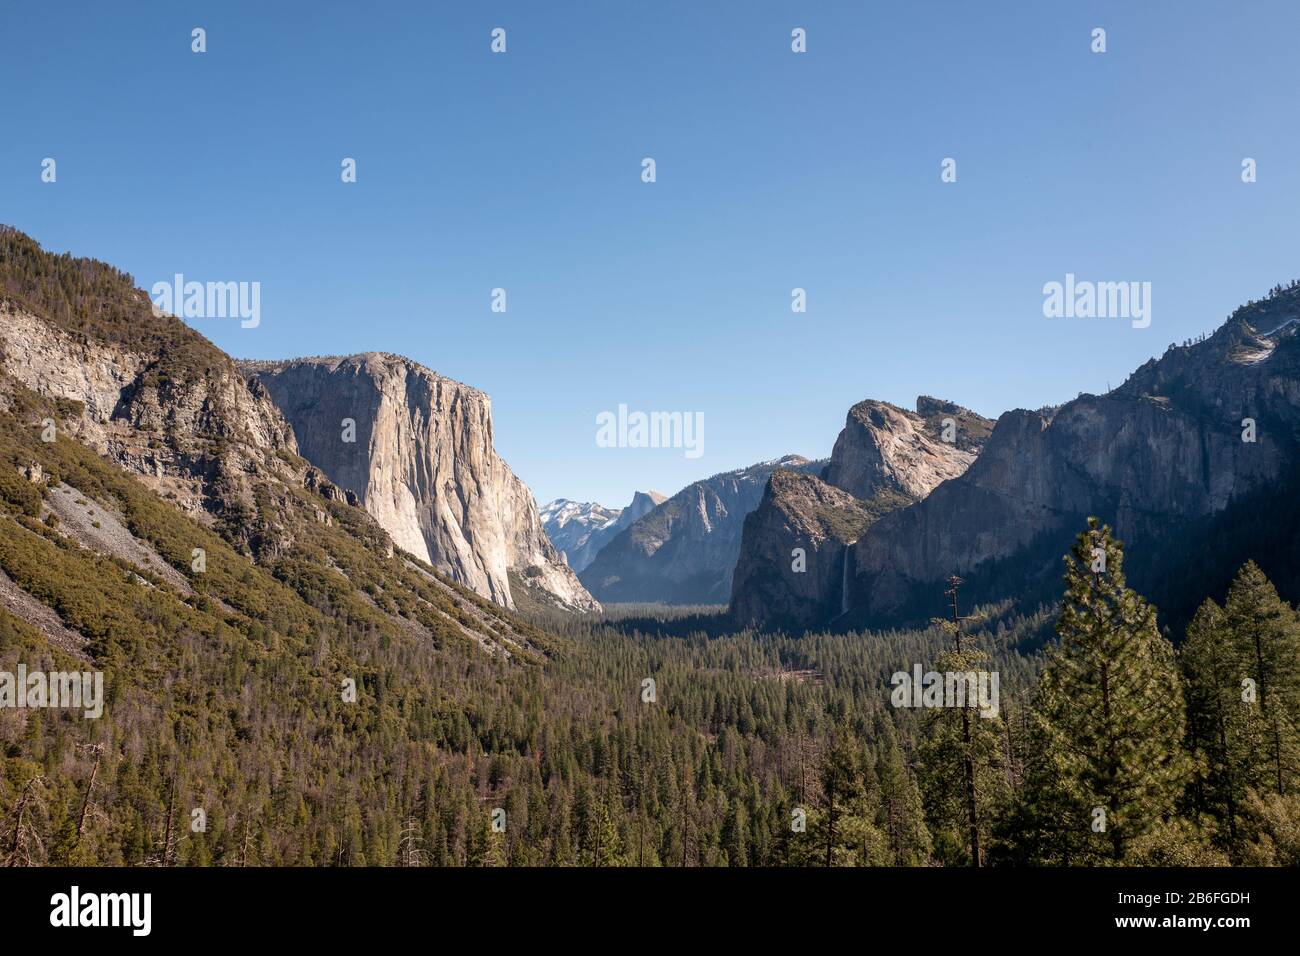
(793, 560)
(1162, 458)
(795, 566)
(416, 448)
(580, 529)
(685, 550)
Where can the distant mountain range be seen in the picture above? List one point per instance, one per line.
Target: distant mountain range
(684, 551)
(581, 528)
(1194, 461)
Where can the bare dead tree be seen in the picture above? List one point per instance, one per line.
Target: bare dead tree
(26, 846)
(410, 852)
(244, 841)
(98, 751)
(165, 855)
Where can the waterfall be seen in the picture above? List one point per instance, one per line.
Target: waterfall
(844, 579)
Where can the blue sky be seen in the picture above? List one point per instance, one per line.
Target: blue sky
(775, 171)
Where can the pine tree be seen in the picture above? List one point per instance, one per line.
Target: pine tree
(840, 785)
(1108, 713)
(960, 757)
(902, 815)
(1220, 724)
(1265, 633)
(1271, 830)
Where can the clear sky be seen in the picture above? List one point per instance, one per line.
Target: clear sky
(775, 170)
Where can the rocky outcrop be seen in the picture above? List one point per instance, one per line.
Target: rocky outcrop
(795, 566)
(793, 563)
(685, 550)
(154, 396)
(884, 446)
(580, 529)
(199, 438)
(416, 449)
(1166, 459)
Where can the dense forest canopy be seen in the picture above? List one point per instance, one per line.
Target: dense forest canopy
(755, 749)
(324, 699)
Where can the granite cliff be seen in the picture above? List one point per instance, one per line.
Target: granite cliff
(1192, 460)
(416, 449)
(795, 565)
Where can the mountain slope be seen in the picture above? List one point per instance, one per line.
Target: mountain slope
(581, 529)
(160, 400)
(1162, 458)
(172, 541)
(684, 551)
(144, 390)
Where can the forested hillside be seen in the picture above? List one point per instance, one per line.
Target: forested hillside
(284, 686)
(225, 696)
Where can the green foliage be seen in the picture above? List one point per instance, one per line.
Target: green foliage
(18, 494)
(1108, 765)
(94, 301)
(225, 695)
(1240, 664)
(1265, 638)
(952, 737)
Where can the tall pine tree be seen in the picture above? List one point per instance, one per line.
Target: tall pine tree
(1222, 730)
(1265, 634)
(1109, 717)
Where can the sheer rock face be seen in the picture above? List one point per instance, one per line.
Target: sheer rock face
(883, 446)
(685, 550)
(1157, 458)
(792, 566)
(201, 442)
(885, 458)
(416, 448)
